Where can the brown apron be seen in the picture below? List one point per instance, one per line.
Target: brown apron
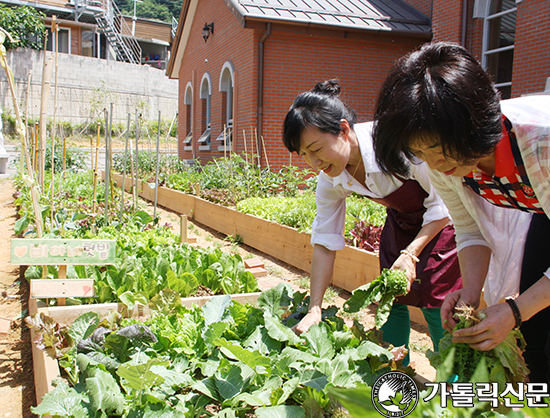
(437, 273)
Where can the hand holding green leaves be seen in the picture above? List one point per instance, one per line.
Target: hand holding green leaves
(383, 289)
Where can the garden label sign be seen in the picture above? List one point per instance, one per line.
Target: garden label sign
(62, 252)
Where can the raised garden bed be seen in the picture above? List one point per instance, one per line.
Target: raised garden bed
(46, 367)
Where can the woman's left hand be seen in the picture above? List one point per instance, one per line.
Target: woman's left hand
(491, 331)
(406, 264)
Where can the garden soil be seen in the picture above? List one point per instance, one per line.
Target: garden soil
(16, 368)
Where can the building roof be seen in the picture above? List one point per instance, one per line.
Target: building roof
(358, 16)
(377, 15)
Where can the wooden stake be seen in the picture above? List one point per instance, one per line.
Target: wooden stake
(62, 274)
(265, 151)
(245, 148)
(183, 229)
(47, 75)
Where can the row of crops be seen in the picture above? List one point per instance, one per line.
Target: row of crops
(224, 359)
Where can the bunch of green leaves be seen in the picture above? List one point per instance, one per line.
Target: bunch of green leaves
(459, 362)
(223, 359)
(383, 289)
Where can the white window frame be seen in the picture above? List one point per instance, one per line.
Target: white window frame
(206, 94)
(227, 85)
(487, 17)
(52, 36)
(188, 100)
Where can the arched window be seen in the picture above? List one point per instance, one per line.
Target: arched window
(499, 37)
(226, 89)
(206, 95)
(188, 102)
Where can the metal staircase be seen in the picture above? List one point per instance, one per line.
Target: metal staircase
(119, 35)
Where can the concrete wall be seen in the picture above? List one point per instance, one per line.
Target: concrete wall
(85, 86)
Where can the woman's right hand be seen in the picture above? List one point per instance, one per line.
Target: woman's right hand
(313, 317)
(465, 296)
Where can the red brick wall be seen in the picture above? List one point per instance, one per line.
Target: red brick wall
(532, 47)
(423, 6)
(294, 64)
(229, 42)
(532, 50)
(447, 21)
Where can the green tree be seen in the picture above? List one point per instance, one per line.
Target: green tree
(152, 9)
(25, 24)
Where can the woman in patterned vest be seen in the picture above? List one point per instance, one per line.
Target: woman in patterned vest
(440, 106)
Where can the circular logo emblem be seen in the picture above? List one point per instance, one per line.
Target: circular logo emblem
(395, 394)
(527, 190)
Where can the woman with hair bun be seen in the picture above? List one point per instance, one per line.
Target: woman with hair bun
(417, 237)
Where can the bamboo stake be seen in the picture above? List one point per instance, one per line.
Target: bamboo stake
(107, 159)
(245, 151)
(133, 189)
(157, 172)
(124, 170)
(183, 229)
(25, 139)
(29, 179)
(265, 151)
(136, 162)
(224, 144)
(95, 169)
(47, 75)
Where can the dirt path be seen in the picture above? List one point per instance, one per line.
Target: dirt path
(16, 369)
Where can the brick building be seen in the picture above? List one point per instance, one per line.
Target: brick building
(241, 63)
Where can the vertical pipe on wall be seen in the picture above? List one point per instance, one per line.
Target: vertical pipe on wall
(261, 82)
(464, 22)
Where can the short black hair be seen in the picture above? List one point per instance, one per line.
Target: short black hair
(437, 94)
(322, 108)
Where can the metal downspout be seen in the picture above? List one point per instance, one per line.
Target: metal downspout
(464, 20)
(261, 88)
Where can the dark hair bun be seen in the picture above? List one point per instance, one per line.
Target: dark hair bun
(328, 87)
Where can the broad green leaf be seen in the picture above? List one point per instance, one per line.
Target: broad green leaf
(252, 359)
(208, 387)
(319, 340)
(84, 326)
(141, 376)
(261, 341)
(275, 301)
(215, 309)
(229, 382)
(62, 401)
(279, 332)
(314, 379)
(104, 393)
(128, 299)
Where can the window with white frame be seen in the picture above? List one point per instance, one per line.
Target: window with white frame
(499, 37)
(206, 95)
(63, 40)
(188, 103)
(226, 90)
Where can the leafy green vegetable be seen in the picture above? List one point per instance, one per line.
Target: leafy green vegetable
(461, 363)
(383, 289)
